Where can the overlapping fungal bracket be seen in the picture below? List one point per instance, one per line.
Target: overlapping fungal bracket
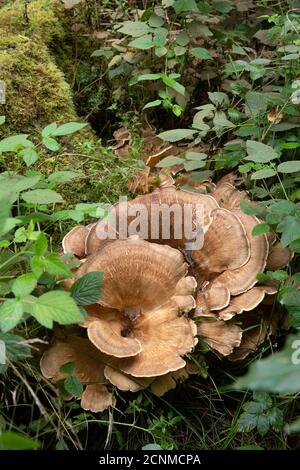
(154, 304)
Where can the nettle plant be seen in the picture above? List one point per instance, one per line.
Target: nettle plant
(160, 44)
(31, 273)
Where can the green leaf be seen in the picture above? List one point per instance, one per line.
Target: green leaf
(2, 120)
(282, 206)
(289, 167)
(201, 53)
(145, 77)
(278, 373)
(16, 348)
(73, 386)
(182, 39)
(11, 312)
(68, 128)
(261, 174)
(177, 134)
(250, 208)
(194, 165)
(260, 229)
(67, 368)
(170, 82)
(30, 156)
(55, 306)
(134, 28)
(87, 289)
(160, 51)
(18, 183)
(259, 153)
(51, 144)
(170, 161)
(223, 7)
(10, 440)
(195, 156)
(55, 266)
(155, 21)
(42, 196)
(290, 229)
(143, 42)
(60, 177)
(24, 285)
(152, 104)
(181, 6)
(14, 142)
(48, 130)
(2, 353)
(256, 103)
(41, 245)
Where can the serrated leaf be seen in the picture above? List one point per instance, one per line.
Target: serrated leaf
(278, 373)
(87, 289)
(24, 285)
(55, 266)
(290, 229)
(55, 306)
(260, 229)
(177, 134)
(11, 312)
(73, 386)
(259, 153)
(42, 196)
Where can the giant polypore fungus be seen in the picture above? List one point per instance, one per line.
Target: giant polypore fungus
(159, 293)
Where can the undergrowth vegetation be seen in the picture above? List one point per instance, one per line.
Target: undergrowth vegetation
(221, 78)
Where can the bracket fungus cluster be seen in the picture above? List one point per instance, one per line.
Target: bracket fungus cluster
(158, 295)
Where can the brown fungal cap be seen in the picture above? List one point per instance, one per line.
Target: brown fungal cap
(212, 298)
(221, 336)
(74, 241)
(137, 275)
(242, 279)
(219, 252)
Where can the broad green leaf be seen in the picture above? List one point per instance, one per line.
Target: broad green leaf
(177, 134)
(41, 245)
(195, 156)
(194, 165)
(73, 386)
(24, 285)
(68, 128)
(282, 206)
(143, 42)
(223, 6)
(259, 153)
(42, 196)
(289, 167)
(218, 98)
(152, 104)
(60, 177)
(170, 82)
(182, 39)
(201, 53)
(55, 266)
(51, 144)
(161, 51)
(18, 183)
(14, 142)
(2, 352)
(181, 6)
(290, 229)
(260, 229)
(55, 306)
(261, 174)
(30, 156)
(179, 50)
(16, 347)
(256, 103)
(155, 21)
(250, 208)
(278, 373)
(134, 28)
(2, 120)
(67, 368)
(146, 77)
(11, 312)
(48, 130)
(160, 37)
(87, 289)
(170, 161)
(10, 440)
(291, 300)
